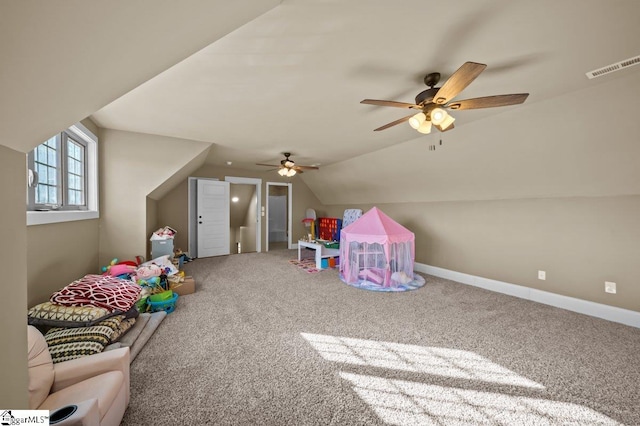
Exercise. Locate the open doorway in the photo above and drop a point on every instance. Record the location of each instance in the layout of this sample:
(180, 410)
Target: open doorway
(279, 203)
(244, 215)
(243, 218)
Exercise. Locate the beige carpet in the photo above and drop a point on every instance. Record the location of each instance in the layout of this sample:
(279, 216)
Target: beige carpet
(262, 342)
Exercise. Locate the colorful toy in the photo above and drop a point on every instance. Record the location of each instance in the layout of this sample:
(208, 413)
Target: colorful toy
(118, 270)
(149, 282)
(105, 269)
(182, 256)
(132, 264)
(147, 272)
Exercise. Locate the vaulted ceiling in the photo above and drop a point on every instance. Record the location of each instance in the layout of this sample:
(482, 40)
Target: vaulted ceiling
(257, 78)
(292, 79)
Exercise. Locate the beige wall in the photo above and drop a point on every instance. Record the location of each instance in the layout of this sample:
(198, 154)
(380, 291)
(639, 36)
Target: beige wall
(13, 252)
(173, 206)
(59, 253)
(171, 209)
(133, 165)
(579, 242)
(152, 222)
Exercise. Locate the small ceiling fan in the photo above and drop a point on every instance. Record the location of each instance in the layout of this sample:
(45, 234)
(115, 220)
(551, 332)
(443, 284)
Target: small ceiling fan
(288, 167)
(432, 102)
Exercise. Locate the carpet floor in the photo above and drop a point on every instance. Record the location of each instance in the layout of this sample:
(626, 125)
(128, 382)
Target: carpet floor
(262, 342)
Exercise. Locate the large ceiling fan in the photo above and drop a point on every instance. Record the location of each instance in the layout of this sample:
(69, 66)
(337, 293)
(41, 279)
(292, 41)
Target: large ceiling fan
(432, 102)
(288, 167)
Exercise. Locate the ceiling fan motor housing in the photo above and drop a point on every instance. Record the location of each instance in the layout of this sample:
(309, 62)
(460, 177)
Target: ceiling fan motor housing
(426, 96)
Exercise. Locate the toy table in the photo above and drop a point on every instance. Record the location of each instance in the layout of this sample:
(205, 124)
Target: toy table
(321, 251)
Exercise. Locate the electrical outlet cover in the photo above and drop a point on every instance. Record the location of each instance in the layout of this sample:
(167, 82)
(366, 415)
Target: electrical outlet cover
(542, 275)
(610, 287)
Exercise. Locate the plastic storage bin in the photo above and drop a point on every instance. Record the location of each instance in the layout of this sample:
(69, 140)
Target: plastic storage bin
(161, 247)
(168, 305)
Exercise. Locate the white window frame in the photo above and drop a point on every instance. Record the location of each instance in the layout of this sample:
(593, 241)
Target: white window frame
(92, 212)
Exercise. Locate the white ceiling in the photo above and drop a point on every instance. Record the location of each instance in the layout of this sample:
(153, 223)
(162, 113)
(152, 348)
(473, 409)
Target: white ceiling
(292, 79)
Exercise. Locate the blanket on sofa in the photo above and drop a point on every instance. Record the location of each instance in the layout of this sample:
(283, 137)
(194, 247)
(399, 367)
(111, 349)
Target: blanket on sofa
(111, 293)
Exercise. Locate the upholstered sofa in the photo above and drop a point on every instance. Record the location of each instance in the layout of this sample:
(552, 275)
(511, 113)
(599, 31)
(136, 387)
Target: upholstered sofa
(97, 385)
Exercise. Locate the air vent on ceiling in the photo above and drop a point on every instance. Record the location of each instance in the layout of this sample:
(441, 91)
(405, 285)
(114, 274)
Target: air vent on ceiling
(614, 67)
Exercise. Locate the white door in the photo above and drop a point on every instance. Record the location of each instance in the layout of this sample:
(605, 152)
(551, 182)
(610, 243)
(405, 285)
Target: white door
(213, 218)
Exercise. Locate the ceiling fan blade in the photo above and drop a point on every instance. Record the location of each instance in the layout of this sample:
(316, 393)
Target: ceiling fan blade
(393, 123)
(390, 103)
(489, 101)
(458, 81)
(268, 165)
(306, 167)
(437, 126)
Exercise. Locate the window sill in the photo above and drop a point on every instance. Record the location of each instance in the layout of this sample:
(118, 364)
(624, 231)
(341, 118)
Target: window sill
(43, 218)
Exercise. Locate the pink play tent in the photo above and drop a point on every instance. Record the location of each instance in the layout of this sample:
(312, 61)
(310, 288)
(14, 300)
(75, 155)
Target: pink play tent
(378, 253)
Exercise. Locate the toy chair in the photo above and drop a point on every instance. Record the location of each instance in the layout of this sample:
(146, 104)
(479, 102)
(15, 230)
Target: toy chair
(92, 390)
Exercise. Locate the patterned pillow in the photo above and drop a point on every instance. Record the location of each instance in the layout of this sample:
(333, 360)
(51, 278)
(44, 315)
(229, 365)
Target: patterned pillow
(67, 316)
(122, 329)
(69, 343)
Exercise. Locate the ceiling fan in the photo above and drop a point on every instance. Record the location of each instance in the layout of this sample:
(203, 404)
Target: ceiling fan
(432, 102)
(288, 167)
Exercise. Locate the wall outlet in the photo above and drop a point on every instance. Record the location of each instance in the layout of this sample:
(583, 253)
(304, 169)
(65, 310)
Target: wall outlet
(610, 287)
(542, 275)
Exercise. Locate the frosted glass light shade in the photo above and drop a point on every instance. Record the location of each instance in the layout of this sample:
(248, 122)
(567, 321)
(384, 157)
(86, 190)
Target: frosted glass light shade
(282, 172)
(438, 115)
(425, 128)
(417, 120)
(291, 172)
(448, 121)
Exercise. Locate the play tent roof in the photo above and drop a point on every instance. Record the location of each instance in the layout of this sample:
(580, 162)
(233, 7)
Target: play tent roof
(376, 227)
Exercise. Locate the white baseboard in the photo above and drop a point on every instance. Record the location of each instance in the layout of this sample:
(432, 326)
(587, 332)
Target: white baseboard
(294, 246)
(611, 313)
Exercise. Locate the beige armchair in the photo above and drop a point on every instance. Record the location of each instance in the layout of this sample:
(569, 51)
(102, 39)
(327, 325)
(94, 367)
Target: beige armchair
(97, 385)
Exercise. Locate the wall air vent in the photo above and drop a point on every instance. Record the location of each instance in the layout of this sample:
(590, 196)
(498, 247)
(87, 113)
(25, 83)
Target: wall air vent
(614, 67)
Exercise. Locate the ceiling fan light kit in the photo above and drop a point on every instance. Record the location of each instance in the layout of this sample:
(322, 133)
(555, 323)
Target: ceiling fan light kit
(433, 101)
(437, 116)
(287, 167)
(417, 120)
(425, 128)
(287, 172)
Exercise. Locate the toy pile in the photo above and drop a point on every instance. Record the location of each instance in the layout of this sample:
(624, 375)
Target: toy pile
(156, 278)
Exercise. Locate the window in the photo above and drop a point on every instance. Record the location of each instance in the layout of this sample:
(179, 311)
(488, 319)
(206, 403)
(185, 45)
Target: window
(63, 178)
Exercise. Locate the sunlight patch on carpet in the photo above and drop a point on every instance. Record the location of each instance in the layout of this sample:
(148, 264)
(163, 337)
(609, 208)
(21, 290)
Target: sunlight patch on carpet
(445, 362)
(403, 402)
